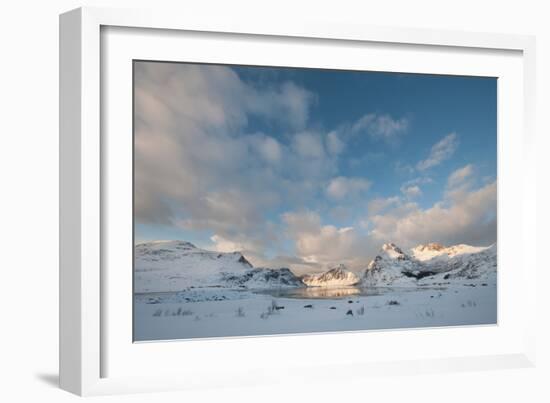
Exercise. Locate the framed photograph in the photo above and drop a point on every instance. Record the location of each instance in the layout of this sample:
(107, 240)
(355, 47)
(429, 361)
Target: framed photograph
(273, 200)
(247, 201)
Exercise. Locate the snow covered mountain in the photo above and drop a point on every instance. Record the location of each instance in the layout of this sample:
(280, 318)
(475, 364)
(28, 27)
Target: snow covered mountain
(430, 264)
(436, 250)
(166, 266)
(391, 266)
(338, 276)
(262, 277)
(163, 266)
(478, 266)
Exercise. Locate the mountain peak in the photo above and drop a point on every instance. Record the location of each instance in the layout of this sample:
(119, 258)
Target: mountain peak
(432, 246)
(434, 250)
(431, 263)
(337, 276)
(390, 246)
(338, 269)
(167, 266)
(393, 251)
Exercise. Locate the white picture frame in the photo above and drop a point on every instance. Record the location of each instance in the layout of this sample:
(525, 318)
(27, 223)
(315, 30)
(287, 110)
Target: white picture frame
(93, 356)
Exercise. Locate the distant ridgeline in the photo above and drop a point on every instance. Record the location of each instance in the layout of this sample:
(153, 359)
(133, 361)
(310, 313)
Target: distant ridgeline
(163, 266)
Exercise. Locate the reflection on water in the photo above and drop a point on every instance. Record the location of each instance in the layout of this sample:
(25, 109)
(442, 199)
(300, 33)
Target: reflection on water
(327, 292)
(333, 292)
(223, 294)
(317, 292)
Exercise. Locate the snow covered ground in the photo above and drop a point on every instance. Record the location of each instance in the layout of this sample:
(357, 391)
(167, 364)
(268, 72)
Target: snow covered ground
(186, 292)
(250, 313)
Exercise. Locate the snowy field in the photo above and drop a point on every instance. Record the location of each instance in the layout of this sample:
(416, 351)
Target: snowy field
(183, 292)
(246, 313)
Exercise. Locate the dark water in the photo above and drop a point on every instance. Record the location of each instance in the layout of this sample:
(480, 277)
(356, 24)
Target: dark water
(221, 294)
(330, 292)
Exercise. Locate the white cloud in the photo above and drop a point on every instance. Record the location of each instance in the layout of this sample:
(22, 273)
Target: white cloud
(377, 205)
(254, 253)
(221, 244)
(288, 100)
(270, 149)
(440, 151)
(307, 221)
(460, 176)
(308, 145)
(411, 191)
(403, 168)
(468, 217)
(421, 180)
(381, 127)
(226, 212)
(460, 182)
(196, 167)
(342, 187)
(334, 144)
(327, 245)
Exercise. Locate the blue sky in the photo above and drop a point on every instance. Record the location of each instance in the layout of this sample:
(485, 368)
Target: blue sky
(308, 168)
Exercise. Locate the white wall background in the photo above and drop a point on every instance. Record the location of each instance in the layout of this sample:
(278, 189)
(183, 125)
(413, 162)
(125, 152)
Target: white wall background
(29, 185)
